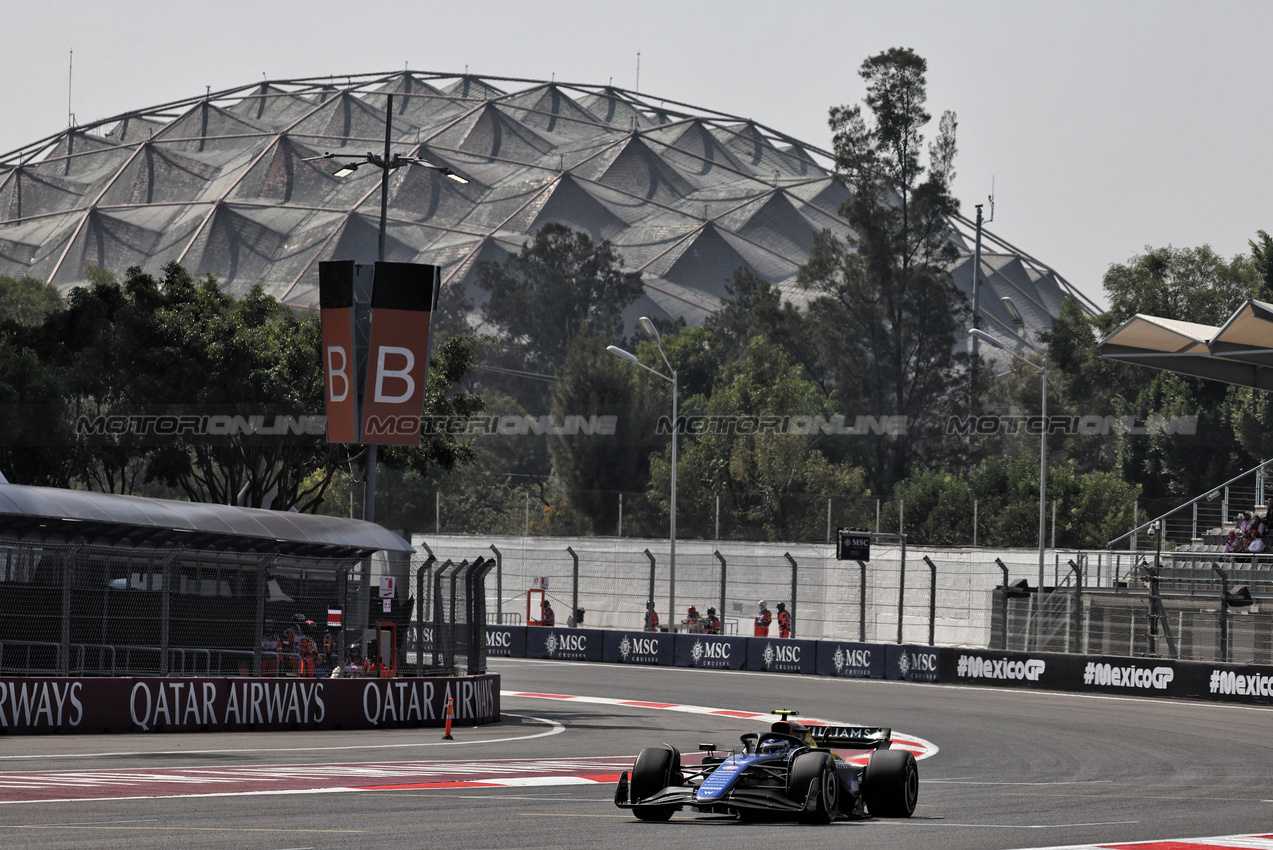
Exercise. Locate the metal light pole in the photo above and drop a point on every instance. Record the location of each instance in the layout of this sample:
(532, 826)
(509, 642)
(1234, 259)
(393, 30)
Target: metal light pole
(386, 164)
(1043, 466)
(651, 332)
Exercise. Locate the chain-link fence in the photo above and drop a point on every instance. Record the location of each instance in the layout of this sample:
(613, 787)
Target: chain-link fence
(107, 610)
(1093, 602)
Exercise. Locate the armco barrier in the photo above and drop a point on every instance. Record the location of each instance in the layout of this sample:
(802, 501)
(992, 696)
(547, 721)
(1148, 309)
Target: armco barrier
(1246, 684)
(41, 705)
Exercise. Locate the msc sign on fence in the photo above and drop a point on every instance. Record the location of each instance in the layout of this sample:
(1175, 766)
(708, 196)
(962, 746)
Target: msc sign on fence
(853, 545)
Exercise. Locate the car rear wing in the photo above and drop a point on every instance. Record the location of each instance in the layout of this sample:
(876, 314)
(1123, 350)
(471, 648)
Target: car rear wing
(855, 737)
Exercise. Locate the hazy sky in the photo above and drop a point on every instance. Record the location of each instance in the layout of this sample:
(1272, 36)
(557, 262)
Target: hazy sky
(1105, 126)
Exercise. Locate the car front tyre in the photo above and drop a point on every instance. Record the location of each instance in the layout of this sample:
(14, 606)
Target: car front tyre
(650, 775)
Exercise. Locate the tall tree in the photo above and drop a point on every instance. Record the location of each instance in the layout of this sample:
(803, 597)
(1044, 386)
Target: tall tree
(885, 309)
(561, 284)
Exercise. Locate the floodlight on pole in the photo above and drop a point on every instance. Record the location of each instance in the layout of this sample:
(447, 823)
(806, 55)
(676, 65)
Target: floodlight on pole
(1011, 307)
(1043, 462)
(651, 332)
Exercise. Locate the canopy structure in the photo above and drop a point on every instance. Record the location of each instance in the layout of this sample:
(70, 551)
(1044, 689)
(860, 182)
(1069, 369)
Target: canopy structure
(232, 183)
(50, 515)
(1239, 352)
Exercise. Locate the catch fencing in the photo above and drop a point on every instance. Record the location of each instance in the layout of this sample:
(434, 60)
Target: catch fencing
(81, 610)
(1093, 602)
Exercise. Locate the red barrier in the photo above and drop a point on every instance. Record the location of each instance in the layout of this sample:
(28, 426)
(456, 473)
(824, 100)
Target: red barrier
(37, 705)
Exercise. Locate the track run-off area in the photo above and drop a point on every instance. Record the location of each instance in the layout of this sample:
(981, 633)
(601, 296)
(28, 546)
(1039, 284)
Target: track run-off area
(999, 770)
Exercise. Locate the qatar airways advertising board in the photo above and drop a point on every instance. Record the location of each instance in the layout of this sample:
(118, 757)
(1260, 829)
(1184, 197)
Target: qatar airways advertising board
(36, 705)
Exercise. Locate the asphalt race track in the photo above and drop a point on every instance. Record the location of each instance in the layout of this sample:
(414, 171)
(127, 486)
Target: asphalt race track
(1014, 770)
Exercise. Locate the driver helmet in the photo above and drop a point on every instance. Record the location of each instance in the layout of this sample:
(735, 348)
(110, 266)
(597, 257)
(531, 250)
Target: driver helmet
(770, 746)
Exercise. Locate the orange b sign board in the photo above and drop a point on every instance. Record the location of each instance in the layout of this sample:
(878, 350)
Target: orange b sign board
(398, 354)
(336, 310)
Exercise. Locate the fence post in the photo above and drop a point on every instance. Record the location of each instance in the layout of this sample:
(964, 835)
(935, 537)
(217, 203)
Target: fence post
(421, 579)
(1076, 645)
(64, 652)
(829, 519)
(862, 604)
(574, 588)
(795, 570)
(1003, 624)
(901, 590)
(342, 594)
(1224, 612)
(620, 515)
(932, 601)
(262, 590)
(650, 596)
(499, 584)
(723, 568)
(165, 606)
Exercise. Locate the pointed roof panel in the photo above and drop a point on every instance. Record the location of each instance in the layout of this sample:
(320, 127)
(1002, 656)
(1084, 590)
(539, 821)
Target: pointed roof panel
(489, 132)
(610, 106)
(552, 112)
(271, 106)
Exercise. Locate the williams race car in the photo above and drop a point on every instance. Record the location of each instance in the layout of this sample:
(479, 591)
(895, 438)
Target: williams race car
(791, 771)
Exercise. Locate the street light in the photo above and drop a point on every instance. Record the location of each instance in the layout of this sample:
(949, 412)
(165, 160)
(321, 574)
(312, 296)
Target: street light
(386, 164)
(1043, 453)
(652, 333)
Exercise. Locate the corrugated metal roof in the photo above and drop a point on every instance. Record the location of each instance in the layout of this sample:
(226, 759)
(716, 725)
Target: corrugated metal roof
(48, 513)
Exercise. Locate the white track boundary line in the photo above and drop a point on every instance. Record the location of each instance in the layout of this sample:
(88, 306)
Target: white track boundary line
(921, 748)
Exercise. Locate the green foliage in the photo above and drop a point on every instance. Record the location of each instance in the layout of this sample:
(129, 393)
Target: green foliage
(1091, 508)
(180, 346)
(885, 312)
(773, 485)
(1188, 284)
(26, 300)
(593, 468)
(561, 284)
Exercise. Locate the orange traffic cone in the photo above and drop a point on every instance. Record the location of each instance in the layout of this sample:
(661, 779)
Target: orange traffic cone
(450, 710)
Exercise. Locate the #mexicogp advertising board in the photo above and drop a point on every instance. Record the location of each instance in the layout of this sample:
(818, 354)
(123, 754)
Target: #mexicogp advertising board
(1118, 675)
(224, 704)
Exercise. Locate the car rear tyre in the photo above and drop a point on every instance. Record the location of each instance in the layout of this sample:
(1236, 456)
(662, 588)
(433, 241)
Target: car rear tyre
(653, 771)
(891, 784)
(805, 768)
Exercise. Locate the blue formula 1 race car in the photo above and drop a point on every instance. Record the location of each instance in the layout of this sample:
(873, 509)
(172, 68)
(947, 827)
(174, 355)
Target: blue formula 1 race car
(791, 771)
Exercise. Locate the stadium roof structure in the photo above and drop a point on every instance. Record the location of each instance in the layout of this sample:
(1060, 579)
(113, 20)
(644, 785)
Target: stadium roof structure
(225, 184)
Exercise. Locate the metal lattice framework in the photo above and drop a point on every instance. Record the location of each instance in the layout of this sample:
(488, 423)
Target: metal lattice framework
(220, 184)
